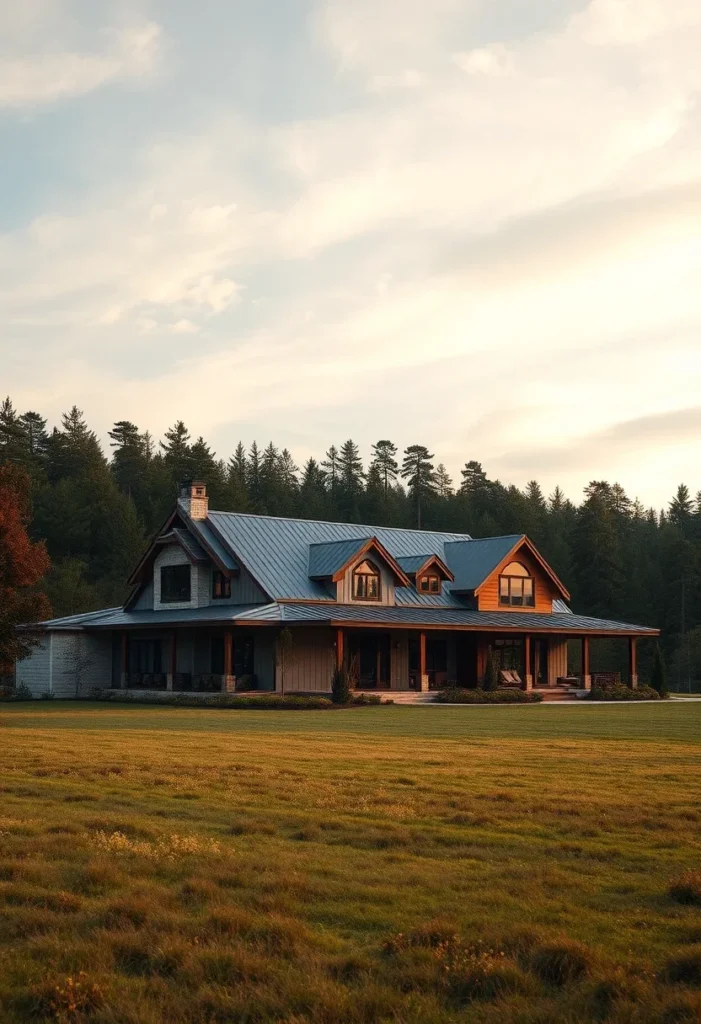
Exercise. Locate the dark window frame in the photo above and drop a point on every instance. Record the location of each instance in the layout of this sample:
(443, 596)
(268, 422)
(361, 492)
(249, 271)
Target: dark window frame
(173, 592)
(360, 583)
(221, 586)
(512, 591)
(432, 581)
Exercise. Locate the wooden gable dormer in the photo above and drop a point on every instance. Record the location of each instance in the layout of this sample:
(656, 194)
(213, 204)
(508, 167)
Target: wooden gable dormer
(506, 587)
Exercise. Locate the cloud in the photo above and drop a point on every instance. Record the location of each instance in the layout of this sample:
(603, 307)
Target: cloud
(46, 77)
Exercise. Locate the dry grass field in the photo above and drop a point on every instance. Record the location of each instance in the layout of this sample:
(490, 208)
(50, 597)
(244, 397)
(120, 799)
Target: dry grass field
(527, 864)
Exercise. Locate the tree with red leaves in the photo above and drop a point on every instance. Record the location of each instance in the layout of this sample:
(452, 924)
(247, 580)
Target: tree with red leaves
(22, 566)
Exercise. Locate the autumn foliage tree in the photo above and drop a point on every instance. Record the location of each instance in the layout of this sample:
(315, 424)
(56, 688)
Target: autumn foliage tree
(22, 566)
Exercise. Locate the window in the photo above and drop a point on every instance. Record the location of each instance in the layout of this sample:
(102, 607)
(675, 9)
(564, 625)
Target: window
(517, 586)
(366, 582)
(175, 584)
(430, 584)
(221, 586)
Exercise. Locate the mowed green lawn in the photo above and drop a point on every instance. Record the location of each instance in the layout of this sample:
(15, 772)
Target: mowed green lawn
(389, 864)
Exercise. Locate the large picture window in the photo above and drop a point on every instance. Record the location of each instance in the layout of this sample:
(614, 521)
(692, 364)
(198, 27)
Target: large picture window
(175, 584)
(366, 582)
(517, 586)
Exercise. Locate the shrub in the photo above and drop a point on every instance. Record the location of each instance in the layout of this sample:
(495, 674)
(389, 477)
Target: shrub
(18, 692)
(459, 696)
(684, 969)
(490, 682)
(687, 889)
(560, 963)
(619, 691)
(659, 673)
(340, 687)
(47, 695)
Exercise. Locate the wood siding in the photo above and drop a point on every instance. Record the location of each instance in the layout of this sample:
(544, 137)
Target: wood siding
(399, 660)
(557, 659)
(310, 664)
(545, 591)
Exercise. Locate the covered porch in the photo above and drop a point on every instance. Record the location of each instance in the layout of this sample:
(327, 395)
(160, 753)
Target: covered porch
(424, 660)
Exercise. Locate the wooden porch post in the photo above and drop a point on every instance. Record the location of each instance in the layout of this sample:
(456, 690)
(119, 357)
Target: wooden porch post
(340, 653)
(527, 675)
(423, 677)
(229, 681)
(125, 661)
(586, 665)
(172, 660)
(633, 662)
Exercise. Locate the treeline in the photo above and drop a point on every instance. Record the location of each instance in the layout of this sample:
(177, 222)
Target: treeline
(97, 510)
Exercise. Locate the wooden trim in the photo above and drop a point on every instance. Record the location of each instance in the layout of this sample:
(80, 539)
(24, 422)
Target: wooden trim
(632, 662)
(370, 544)
(509, 557)
(340, 654)
(497, 630)
(443, 569)
(228, 653)
(423, 676)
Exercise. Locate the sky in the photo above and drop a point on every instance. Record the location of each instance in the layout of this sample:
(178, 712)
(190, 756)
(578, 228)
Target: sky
(469, 224)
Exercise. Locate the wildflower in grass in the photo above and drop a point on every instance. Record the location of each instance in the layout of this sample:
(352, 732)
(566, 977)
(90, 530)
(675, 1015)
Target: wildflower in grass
(164, 848)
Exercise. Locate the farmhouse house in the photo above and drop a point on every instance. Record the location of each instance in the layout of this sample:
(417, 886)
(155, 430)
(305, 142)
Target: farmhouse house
(224, 601)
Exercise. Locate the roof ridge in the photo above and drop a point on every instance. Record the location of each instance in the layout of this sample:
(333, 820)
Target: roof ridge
(335, 522)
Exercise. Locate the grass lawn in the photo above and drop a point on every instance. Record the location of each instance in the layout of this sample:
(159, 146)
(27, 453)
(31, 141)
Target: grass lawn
(394, 864)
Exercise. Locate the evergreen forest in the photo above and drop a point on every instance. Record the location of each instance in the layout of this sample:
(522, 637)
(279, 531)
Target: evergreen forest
(96, 511)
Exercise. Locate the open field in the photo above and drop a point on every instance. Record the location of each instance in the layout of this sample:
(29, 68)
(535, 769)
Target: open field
(382, 864)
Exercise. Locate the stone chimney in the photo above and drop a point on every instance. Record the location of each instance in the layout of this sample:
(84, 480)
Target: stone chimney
(192, 499)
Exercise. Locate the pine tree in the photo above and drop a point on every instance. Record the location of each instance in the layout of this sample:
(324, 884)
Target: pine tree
(253, 480)
(177, 454)
(474, 478)
(443, 482)
(313, 496)
(14, 443)
(351, 478)
(238, 476)
(384, 459)
(681, 509)
(418, 471)
(129, 457)
(37, 439)
(332, 470)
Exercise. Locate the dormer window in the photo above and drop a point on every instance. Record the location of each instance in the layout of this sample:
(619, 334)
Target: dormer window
(366, 582)
(430, 583)
(221, 586)
(516, 586)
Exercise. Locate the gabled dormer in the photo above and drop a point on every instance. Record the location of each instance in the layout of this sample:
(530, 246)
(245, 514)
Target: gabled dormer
(427, 573)
(504, 574)
(360, 570)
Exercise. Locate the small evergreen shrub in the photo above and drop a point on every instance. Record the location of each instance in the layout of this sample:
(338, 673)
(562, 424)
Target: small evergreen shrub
(658, 680)
(490, 682)
(506, 696)
(47, 695)
(341, 687)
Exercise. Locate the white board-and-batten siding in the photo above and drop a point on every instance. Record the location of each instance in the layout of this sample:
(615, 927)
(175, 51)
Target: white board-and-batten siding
(66, 664)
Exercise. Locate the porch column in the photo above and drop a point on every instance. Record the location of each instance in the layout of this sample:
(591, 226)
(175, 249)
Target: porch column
(172, 660)
(586, 665)
(423, 676)
(229, 680)
(633, 662)
(527, 675)
(340, 653)
(124, 681)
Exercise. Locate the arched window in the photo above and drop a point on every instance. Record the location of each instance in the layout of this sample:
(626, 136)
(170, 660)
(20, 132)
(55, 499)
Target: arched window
(366, 582)
(516, 586)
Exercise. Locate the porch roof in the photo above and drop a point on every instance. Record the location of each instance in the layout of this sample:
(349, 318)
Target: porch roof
(321, 613)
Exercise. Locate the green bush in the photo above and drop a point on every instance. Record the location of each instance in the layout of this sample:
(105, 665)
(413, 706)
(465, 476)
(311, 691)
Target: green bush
(659, 673)
(510, 696)
(12, 693)
(621, 692)
(341, 687)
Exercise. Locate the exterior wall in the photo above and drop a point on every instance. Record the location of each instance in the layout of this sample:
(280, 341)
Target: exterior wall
(344, 589)
(244, 590)
(452, 661)
(310, 664)
(488, 598)
(67, 665)
(144, 601)
(557, 659)
(399, 660)
(264, 659)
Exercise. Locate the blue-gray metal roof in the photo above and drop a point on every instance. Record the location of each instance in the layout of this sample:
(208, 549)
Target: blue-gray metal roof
(327, 558)
(473, 560)
(276, 551)
(561, 606)
(371, 615)
(212, 540)
(190, 545)
(412, 563)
